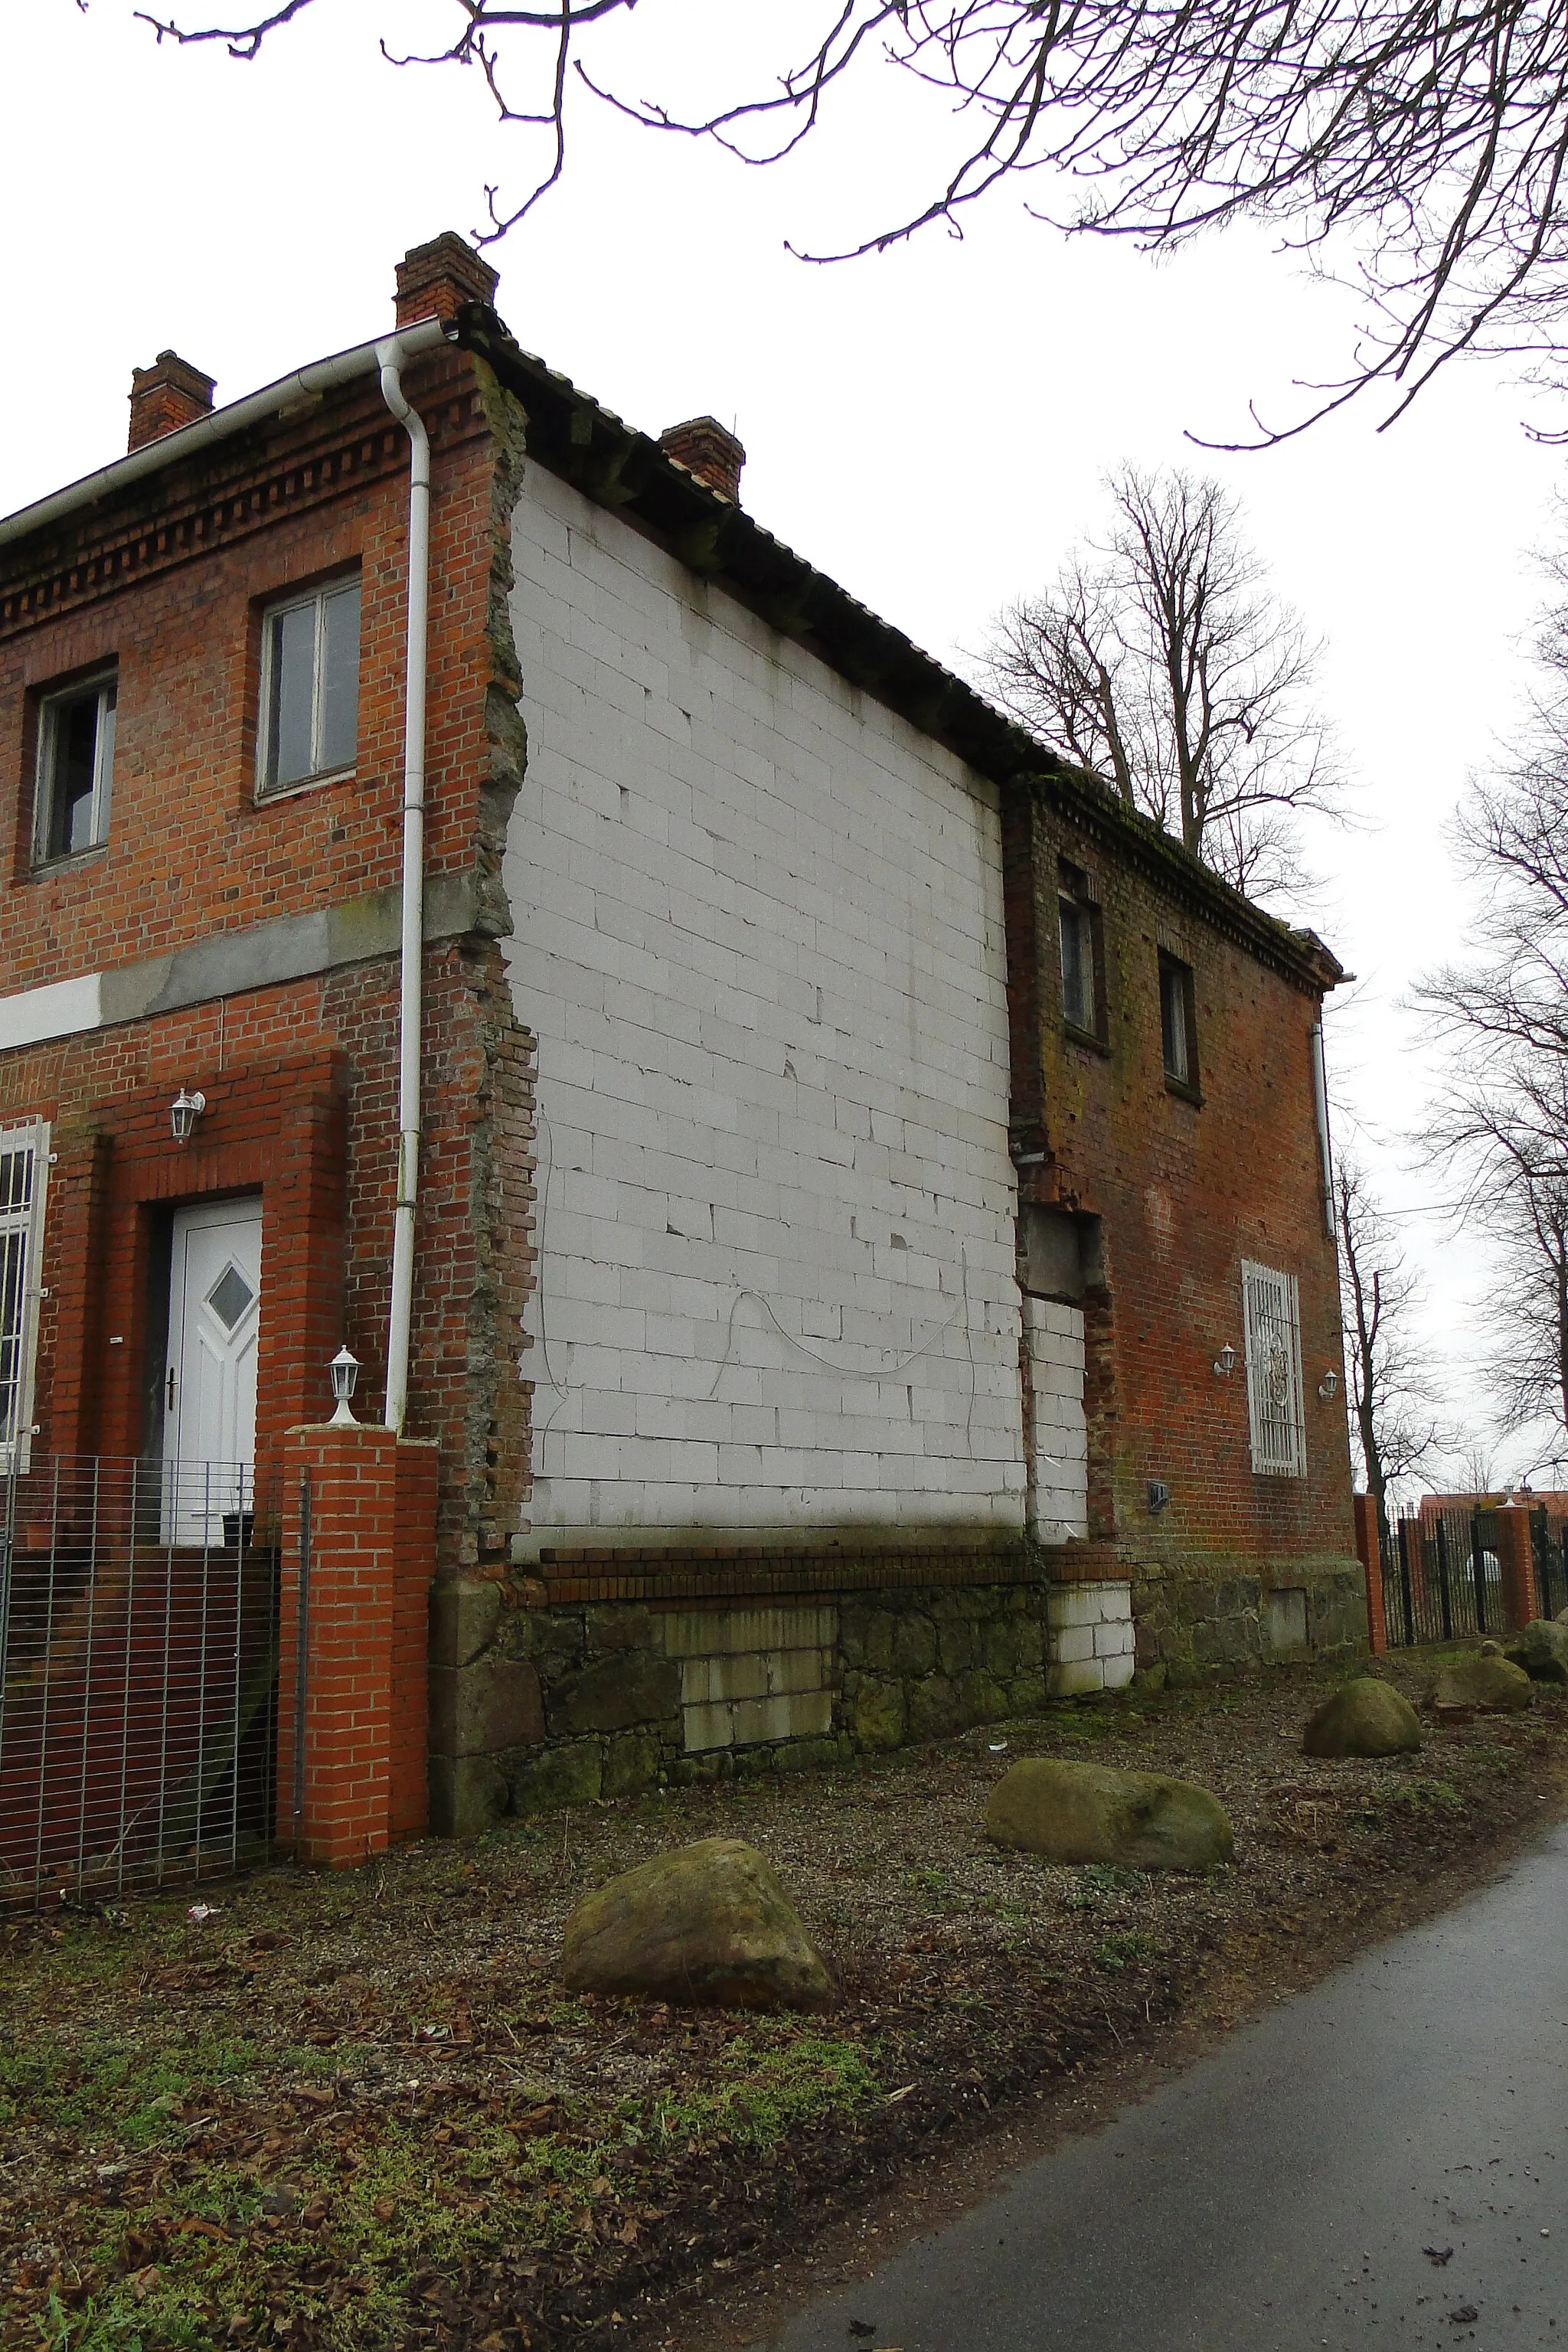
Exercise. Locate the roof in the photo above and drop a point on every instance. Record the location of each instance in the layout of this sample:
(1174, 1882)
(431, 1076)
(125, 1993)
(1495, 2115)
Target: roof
(576, 437)
(626, 471)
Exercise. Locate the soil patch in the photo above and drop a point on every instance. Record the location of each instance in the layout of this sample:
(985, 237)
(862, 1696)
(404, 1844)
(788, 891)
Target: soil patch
(355, 2113)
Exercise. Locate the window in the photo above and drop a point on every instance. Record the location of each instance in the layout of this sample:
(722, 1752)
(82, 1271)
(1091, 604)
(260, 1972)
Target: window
(75, 768)
(1077, 920)
(24, 1163)
(1178, 1025)
(1271, 1323)
(309, 687)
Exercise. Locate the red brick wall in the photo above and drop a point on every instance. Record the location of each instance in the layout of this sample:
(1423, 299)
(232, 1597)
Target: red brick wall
(1185, 1189)
(170, 581)
(173, 592)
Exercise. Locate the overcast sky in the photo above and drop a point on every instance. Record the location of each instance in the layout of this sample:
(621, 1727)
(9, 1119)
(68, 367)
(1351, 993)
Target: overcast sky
(929, 427)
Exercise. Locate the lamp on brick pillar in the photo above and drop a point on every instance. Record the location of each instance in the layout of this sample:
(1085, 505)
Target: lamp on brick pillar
(344, 1369)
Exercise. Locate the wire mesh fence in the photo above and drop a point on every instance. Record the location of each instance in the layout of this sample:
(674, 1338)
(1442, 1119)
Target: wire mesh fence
(139, 1631)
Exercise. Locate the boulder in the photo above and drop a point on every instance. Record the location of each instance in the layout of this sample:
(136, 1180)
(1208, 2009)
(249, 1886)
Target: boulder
(1364, 1718)
(1086, 1812)
(1541, 1649)
(1489, 1686)
(707, 1924)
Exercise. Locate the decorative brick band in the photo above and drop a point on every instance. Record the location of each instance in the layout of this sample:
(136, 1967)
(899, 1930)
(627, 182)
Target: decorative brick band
(651, 1576)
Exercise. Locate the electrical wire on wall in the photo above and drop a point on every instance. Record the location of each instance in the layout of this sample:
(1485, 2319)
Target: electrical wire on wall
(760, 1299)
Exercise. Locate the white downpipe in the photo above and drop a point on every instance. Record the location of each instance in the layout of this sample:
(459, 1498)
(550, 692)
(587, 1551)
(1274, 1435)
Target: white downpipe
(391, 353)
(1325, 1149)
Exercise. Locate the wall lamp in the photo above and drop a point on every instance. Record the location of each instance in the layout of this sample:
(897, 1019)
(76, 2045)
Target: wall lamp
(183, 1113)
(1328, 1386)
(344, 1369)
(1225, 1362)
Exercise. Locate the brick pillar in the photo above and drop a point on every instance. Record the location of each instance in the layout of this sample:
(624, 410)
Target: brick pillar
(1516, 1556)
(413, 1570)
(346, 1786)
(1367, 1546)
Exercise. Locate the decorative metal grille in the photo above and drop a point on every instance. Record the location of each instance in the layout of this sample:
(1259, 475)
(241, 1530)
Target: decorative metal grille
(23, 1161)
(1271, 1317)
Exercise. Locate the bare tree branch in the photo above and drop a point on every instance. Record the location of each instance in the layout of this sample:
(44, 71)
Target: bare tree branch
(1417, 146)
(1392, 1398)
(1160, 659)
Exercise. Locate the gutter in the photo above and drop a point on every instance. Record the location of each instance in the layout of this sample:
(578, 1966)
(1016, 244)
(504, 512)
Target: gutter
(306, 384)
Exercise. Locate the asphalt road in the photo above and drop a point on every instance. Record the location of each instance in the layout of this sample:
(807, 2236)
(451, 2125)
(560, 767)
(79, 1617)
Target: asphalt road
(1280, 2196)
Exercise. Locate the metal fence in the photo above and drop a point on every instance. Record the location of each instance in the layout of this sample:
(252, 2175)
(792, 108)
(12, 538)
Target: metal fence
(1548, 1544)
(1443, 1578)
(138, 1675)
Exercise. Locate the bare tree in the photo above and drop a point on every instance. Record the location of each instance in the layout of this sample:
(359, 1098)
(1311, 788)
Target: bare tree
(1426, 140)
(1393, 1424)
(1502, 1126)
(1160, 659)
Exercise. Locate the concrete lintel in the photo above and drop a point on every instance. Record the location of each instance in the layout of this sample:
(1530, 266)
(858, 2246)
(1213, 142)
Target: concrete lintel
(229, 963)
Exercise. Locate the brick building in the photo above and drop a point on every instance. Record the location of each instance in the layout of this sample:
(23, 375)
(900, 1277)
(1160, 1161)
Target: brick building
(869, 1257)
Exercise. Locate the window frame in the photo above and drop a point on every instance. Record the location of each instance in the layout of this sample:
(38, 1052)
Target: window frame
(272, 610)
(1271, 1326)
(26, 1224)
(103, 685)
(1075, 892)
(1175, 968)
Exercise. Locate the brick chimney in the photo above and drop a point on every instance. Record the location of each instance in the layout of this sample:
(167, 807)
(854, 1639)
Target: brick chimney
(169, 394)
(705, 449)
(435, 280)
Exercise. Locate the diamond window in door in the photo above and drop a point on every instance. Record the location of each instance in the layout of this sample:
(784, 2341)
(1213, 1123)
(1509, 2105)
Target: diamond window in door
(230, 1296)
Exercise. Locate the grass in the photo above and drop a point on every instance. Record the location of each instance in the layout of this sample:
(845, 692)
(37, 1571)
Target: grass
(102, 2082)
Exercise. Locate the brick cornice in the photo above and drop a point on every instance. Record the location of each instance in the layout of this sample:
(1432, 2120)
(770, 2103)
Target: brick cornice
(289, 466)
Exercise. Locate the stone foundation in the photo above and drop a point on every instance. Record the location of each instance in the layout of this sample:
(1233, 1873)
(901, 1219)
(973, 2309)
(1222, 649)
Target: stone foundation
(1209, 1621)
(533, 1707)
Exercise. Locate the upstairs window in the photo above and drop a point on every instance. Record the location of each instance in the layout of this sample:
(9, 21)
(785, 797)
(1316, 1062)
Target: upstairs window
(23, 1161)
(1178, 1022)
(1271, 1325)
(309, 687)
(76, 769)
(1077, 920)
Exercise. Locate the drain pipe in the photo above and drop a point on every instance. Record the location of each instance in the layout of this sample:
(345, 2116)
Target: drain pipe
(1325, 1149)
(391, 355)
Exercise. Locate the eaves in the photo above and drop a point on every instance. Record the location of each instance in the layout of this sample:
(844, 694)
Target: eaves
(627, 472)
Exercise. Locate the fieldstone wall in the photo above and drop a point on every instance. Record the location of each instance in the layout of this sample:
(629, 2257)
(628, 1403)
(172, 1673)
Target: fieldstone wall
(561, 1705)
(532, 1708)
(1197, 1621)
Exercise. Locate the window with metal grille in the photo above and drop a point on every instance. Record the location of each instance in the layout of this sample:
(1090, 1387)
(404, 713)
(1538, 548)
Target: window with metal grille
(1271, 1318)
(24, 1163)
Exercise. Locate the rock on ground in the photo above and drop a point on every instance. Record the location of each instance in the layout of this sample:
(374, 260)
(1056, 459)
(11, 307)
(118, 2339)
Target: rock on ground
(1541, 1649)
(1086, 1812)
(1491, 1686)
(1364, 1718)
(706, 1924)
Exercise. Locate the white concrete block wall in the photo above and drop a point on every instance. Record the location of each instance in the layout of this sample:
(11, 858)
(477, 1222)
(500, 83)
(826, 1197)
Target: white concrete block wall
(749, 1675)
(760, 939)
(1090, 1643)
(1059, 1488)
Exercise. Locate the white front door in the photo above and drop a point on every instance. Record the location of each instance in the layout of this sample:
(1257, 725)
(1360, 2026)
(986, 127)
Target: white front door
(209, 1385)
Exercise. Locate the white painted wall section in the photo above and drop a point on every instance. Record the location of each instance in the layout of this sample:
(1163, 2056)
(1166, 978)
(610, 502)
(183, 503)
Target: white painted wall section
(759, 938)
(1060, 1486)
